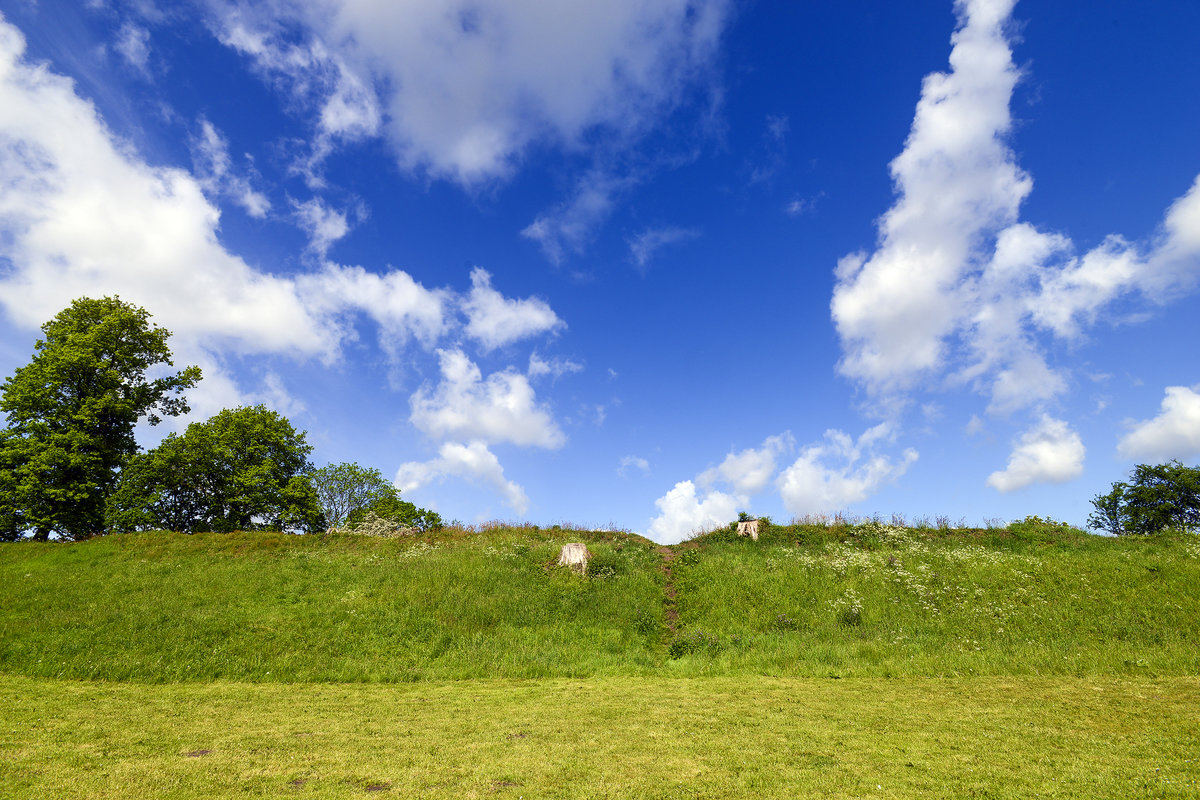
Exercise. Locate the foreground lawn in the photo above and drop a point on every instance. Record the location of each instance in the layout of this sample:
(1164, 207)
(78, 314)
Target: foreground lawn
(610, 737)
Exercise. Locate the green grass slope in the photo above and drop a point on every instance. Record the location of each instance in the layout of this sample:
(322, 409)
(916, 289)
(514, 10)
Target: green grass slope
(868, 601)
(270, 607)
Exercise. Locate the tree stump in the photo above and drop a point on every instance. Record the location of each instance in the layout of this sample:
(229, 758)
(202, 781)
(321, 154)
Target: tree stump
(575, 556)
(749, 528)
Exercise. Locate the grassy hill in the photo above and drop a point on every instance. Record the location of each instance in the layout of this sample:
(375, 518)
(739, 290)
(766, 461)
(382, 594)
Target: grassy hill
(804, 601)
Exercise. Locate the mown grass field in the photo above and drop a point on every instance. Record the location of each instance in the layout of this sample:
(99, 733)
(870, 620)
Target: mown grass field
(608, 737)
(834, 662)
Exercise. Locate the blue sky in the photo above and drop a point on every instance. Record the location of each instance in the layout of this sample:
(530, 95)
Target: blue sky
(645, 264)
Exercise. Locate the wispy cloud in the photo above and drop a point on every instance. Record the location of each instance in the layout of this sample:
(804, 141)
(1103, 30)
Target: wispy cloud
(630, 463)
(646, 244)
(214, 168)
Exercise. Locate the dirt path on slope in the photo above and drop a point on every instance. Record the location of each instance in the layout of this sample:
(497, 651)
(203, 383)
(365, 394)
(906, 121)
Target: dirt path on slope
(672, 614)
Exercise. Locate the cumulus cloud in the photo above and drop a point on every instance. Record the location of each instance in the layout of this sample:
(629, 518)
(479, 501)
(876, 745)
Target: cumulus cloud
(841, 471)
(695, 505)
(682, 513)
(644, 245)
(214, 169)
(1050, 452)
(467, 88)
(494, 320)
(82, 215)
(473, 462)
(1173, 434)
(958, 288)
(748, 471)
(466, 406)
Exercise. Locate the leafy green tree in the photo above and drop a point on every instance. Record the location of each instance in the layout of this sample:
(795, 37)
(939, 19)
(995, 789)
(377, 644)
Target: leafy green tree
(243, 469)
(1157, 498)
(342, 489)
(399, 512)
(349, 492)
(71, 413)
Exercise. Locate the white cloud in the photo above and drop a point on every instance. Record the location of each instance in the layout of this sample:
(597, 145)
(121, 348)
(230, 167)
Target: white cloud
(749, 471)
(681, 513)
(468, 88)
(133, 43)
(840, 472)
(495, 321)
(473, 462)
(643, 246)
(214, 168)
(465, 406)
(345, 105)
(955, 271)
(82, 215)
(1050, 452)
(956, 180)
(633, 462)
(1173, 434)
(323, 224)
(566, 229)
(799, 206)
(556, 367)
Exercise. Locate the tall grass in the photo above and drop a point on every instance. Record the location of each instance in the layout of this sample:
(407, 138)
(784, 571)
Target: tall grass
(809, 601)
(267, 607)
(880, 600)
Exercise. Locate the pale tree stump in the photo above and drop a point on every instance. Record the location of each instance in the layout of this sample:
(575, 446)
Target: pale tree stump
(749, 529)
(575, 556)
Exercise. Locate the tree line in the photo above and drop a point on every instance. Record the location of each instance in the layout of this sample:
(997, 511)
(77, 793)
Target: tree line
(70, 467)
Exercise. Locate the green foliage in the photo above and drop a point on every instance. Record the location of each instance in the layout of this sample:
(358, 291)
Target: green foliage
(243, 469)
(399, 513)
(1157, 498)
(344, 489)
(1037, 529)
(360, 499)
(71, 415)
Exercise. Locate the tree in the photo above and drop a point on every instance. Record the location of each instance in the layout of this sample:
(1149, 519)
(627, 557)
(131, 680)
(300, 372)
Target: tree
(348, 493)
(243, 469)
(71, 413)
(401, 513)
(1157, 498)
(342, 489)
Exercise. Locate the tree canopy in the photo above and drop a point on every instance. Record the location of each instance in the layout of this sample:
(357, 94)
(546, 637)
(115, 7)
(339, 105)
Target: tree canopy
(71, 413)
(243, 469)
(348, 493)
(1157, 498)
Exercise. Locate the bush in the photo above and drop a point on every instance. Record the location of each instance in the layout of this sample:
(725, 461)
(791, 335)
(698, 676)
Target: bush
(1037, 529)
(1158, 498)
